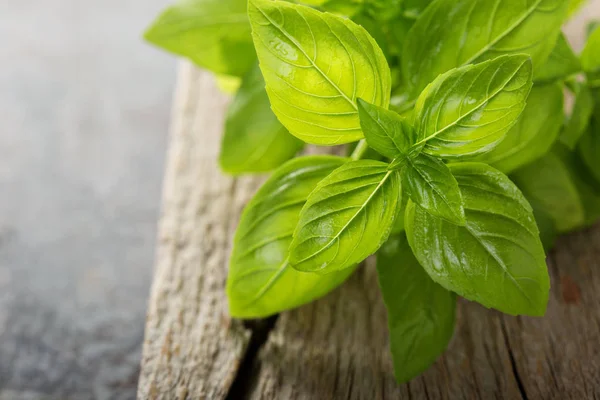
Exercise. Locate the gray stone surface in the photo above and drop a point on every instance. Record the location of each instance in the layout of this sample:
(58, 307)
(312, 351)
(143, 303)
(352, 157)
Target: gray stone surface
(84, 112)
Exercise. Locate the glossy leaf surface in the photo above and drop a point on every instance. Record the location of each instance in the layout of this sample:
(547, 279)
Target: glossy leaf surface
(385, 131)
(589, 149)
(580, 116)
(453, 33)
(497, 258)
(414, 8)
(588, 187)
(533, 134)
(547, 182)
(421, 313)
(261, 282)
(590, 57)
(208, 32)
(316, 65)
(254, 140)
(430, 184)
(468, 110)
(561, 63)
(347, 217)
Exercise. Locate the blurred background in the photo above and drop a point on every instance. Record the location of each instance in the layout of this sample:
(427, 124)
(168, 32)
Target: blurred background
(84, 113)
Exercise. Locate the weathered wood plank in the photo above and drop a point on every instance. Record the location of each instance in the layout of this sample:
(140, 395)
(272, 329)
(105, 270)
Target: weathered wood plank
(336, 347)
(191, 348)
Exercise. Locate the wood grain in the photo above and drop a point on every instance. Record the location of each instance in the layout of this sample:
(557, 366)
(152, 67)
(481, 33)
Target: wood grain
(337, 347)
(191, 348)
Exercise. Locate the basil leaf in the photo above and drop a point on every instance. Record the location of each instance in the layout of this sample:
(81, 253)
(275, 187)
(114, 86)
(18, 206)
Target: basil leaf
(545, 223)
(587, 187)
(344, 7)
(430, 184)
(261, 281)
(590, 57)
(533, 134)
(316, 65)
(346, 218)
(399, 222)
(591, 27)
(444, 35)
(208, 32)
(385, 131)
(414, 8)
(580, 116)
(589, 149)
(561, 63)
(421, 313)
(574, 6)
(468, 110)
(228, 84)
(383, 10)
(497, 258)
(547, 182)
(254, 140)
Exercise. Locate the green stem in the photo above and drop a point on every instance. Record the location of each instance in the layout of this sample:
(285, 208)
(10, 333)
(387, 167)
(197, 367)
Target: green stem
(360, 150)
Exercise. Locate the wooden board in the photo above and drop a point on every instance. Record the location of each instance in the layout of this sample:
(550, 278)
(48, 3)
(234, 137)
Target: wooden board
(336, 347)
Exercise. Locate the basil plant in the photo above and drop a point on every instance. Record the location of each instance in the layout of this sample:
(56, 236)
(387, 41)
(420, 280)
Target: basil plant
(464, 166)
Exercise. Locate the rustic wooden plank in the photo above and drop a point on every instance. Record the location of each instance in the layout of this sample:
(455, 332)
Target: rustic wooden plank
(191, 348)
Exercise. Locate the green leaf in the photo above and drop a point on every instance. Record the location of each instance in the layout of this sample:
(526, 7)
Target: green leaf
(346, 218)
(587, 187)
(579, 119)
(348, 8)
(468, 110)
(430, 184)
(497, 258)
(545, 223)
(316, 65)
(261, 281)
(421, 313)
(208, 32)
(228, 84)
(590, 56)
(561, 63)
(589, 149)
(384, 10)
(575, 5)
(399, 222)
(453, 33)
(547, 182)
(533, 134)
(385, 131)
(414, 8)
(591, 27)
(254, 140)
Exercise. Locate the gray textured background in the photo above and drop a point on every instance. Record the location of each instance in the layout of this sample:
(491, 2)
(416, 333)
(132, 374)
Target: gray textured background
(84, 112)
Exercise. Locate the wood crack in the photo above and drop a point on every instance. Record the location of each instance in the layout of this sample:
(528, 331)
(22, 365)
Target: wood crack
(246, 373)
(513, 363)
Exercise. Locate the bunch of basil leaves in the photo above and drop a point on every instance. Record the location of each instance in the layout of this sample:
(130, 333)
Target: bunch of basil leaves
(465, 170)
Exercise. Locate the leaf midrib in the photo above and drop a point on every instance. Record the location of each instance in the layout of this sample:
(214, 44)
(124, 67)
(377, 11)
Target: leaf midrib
(360, 210)
(312, 62)
(269, 283)
(500, 263)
